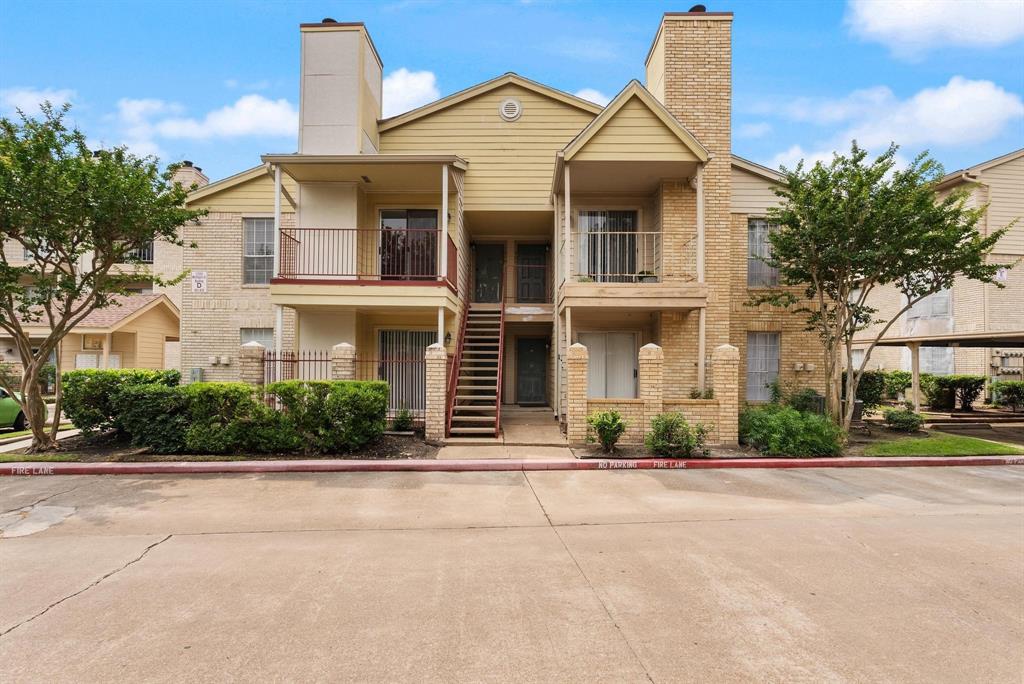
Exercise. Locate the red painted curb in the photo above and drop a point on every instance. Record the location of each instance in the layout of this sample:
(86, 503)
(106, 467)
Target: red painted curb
(484, 465)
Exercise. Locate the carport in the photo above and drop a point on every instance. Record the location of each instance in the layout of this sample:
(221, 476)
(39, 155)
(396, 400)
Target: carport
(1012, 339)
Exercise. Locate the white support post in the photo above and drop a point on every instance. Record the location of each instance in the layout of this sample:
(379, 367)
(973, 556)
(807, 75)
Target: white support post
(277, 221)
(701, 350)
(700, 236)
(278, 329)
(107, 340)
(440, 325)
(567, 227)
(442, 249)
(915, 375)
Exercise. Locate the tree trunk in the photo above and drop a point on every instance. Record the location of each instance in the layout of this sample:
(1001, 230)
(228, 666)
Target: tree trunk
(833, 386)
(34, 407)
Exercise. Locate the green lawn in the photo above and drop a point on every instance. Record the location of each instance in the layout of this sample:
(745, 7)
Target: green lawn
(941, 445)
(37, 458)
(21, 433)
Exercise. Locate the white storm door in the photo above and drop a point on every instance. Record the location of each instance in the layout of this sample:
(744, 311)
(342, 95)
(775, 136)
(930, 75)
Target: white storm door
(595, 344)
(620, 366)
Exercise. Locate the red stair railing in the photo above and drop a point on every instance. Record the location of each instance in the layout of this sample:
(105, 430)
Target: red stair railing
(453, 379)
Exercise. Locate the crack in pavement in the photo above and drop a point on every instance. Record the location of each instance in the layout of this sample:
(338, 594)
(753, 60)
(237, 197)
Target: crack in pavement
(88, 587)
(45, 498)
(590, 584)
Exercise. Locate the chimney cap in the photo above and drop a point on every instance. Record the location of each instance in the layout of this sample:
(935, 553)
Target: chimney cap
(186, 162)
(328, 20)
(698, 8)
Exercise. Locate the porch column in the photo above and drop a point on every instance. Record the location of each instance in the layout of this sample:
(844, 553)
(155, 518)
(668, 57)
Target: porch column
(915, 374)
(702, 350)
(277, 221)
(576, 394)
(651, 381)
(278, 329)
(440, 326)
(442, 249)
(437, 390)
(700, 226)
(567, 226)
(725, 365)
(106, 350)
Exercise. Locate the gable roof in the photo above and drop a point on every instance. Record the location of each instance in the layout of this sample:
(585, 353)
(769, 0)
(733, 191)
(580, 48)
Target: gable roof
(486, 87)
(961, 175)
(756, 169)
(225, 183)
(634, 90)
(126, 309)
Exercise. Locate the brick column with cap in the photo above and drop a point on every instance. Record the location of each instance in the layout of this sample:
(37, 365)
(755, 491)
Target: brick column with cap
(651, 382)
(725, 365)
(576, 394)
(437, 390)
(250, 363)
(343, 362)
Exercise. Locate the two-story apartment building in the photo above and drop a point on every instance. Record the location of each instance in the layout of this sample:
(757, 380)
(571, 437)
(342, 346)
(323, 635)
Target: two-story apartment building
(506, 222)
(969, 328)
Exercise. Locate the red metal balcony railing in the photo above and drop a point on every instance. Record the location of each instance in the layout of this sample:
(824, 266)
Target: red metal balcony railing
(365, 254)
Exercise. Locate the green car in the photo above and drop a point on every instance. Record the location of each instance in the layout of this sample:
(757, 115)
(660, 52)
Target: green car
(11, 415)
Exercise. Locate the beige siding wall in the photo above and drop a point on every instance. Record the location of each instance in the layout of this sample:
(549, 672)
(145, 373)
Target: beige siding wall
(751, 194)
(510, 162)
(634, 132)
(1006, 194)
(256, 195)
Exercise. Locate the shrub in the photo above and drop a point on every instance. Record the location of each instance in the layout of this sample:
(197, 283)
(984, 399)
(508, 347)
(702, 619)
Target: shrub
(805, 400)
(870, 389)
(88, 395)
(402, 421)
(783, 431)
(305, 404)
(897, 382)
(959, 389)
(608, 426)
(357, 412)
(154, 416)
(903, 420)
(673, 437)
(1008, 393)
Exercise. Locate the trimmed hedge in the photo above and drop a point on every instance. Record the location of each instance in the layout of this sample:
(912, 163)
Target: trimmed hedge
(897, 382)
(783, 431)
(231, 417)
(1008, 393)
(870, 389)
(903, 420)
(88, 395)
(952, 390)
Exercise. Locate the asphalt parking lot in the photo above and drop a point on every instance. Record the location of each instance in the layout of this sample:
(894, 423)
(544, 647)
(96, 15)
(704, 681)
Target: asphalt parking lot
(881, 574)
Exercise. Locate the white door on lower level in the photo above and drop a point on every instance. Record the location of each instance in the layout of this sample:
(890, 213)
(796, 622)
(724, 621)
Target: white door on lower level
(612, 364)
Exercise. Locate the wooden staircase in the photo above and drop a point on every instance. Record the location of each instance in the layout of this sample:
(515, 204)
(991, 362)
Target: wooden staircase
(475, 385)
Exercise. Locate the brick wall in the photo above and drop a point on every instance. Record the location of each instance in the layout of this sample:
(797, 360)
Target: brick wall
(211, 321)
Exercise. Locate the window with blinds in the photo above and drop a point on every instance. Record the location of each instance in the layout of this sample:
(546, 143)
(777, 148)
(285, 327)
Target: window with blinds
(762, 364)
(257, 251)
(607, 249)
(759, 274)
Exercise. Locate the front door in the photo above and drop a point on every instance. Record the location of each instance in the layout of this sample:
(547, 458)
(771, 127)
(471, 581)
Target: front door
(531, 273)
(490, 263)
(531, 370)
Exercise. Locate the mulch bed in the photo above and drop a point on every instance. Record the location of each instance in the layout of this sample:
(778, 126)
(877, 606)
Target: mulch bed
(108, 448)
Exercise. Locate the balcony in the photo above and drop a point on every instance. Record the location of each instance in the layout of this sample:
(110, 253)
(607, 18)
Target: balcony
(357, 256)
(616, 257)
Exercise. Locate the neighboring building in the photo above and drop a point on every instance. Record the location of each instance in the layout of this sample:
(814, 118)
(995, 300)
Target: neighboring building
(969, 328)
(556, 220)
(139, 331)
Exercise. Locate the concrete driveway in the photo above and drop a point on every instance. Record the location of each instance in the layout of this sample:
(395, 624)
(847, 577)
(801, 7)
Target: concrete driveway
(912, 574)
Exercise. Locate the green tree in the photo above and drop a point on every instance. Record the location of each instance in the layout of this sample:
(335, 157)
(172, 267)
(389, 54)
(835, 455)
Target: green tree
(67, 218)
(851, 226)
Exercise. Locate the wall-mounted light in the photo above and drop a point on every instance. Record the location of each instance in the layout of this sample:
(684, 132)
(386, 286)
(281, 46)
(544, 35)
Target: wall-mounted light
(447, 339)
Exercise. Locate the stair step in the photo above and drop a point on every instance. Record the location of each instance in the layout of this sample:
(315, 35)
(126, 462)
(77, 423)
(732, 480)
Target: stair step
(474, 419)
(493, 388)
(476, 397)
(466, 408)
(472, 430)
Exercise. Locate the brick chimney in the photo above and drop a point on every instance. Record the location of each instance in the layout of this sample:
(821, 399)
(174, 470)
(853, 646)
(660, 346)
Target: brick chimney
(188, 174)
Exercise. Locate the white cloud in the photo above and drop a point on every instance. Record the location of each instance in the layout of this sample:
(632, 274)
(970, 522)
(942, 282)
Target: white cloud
(911, 27)
(134, 123)
(250, 115)
(405, 90)
(29, 99)
(961, 112)
(592, 95)
(754, 130)
(824, 111)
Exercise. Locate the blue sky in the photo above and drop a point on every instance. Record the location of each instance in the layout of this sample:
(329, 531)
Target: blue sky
(217, 82)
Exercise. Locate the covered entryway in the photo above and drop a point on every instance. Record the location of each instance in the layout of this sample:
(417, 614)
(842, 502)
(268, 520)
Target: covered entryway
(488, 267)
(531, 370)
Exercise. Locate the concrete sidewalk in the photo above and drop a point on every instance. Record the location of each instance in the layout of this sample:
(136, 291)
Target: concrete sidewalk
(655, 576)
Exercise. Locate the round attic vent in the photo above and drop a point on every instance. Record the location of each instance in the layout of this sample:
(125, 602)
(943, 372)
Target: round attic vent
(510, 109)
